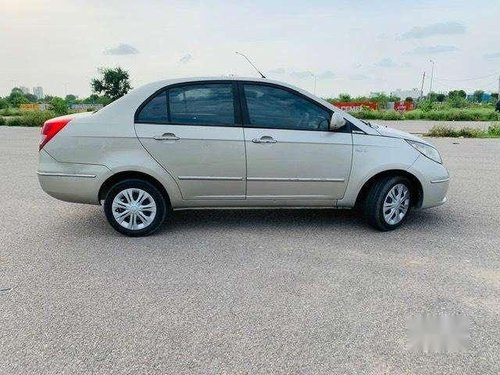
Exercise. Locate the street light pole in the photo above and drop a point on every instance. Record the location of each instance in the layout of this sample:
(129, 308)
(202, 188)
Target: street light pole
(422, 88)
(314, 76)
(498, 97)
(432, 76)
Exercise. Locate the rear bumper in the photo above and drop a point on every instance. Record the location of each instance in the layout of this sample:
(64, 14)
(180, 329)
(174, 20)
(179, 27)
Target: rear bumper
(435, 180)
(70, 182)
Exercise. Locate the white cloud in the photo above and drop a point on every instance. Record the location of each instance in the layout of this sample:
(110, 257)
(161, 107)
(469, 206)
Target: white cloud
(494, 55)
(185, 59)
(358, 77)
(328, 74)
(278, 71)
(444, 28)
(429, 50)
(301, 74)
(386, 63)
(121, 49)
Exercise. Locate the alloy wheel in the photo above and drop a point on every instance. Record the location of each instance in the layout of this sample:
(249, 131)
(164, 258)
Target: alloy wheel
(396, 204)
(134, 209)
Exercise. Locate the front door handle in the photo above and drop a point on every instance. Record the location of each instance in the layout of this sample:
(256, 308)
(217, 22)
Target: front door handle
(166, 137)
(264, 139)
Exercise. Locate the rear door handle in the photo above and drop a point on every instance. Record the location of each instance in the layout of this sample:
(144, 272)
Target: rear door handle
(166, 137)
(264, 139)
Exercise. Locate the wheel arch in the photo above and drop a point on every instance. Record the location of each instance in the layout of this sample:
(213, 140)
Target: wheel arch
(417, 192)
(125, 175)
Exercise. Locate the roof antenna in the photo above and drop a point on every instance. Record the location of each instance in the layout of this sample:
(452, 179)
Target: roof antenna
(258, 71)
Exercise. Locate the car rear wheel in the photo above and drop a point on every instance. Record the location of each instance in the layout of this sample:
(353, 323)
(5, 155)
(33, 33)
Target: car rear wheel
(135, 207)
(388, 203)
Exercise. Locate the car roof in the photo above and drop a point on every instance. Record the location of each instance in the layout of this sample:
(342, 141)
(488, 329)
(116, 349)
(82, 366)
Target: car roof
(167, 82)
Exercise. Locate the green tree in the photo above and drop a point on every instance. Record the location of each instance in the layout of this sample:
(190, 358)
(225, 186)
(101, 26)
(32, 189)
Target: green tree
(457, 101)
(70, 98)
(382, 99)
(31, 98)
(16, 97)
(478, 96)
(457, 93)
(4, 103)
(59, 106)
(425, 105)
(47, 98)
(114, 83)
(440, 97)
(344, 97)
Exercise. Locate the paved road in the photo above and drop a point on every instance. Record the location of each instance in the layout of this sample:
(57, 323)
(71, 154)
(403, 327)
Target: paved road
(307, 292)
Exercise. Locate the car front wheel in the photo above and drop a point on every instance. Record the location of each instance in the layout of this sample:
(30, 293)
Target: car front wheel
(135, 207)
(388, 203)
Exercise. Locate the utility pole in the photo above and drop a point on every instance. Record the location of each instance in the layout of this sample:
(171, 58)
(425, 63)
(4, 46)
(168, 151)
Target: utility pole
(498, 88)
(432, 76)
(422, 88)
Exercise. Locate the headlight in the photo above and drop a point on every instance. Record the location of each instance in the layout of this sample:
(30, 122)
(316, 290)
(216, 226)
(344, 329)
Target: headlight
(426, 150)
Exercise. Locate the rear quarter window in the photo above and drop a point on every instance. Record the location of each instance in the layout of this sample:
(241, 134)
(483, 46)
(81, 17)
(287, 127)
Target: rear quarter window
(155, 110)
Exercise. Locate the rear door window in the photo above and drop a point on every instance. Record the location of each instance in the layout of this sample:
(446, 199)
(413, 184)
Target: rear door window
(202, 104)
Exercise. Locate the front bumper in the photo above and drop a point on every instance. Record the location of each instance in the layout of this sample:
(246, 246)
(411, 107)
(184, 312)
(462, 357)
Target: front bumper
(435, 180)
(70, 182)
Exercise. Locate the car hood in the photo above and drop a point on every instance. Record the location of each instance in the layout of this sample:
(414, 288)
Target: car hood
(385, 131)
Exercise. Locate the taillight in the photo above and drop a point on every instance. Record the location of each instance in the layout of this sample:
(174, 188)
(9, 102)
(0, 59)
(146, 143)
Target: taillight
(51, 127)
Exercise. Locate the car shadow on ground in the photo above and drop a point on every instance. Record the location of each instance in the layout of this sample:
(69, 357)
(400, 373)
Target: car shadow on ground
(94, 222)
(328, 219)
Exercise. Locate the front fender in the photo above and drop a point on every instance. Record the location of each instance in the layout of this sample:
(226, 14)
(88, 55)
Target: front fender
(373, 155)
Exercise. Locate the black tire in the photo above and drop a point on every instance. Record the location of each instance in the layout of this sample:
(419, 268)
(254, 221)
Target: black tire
(374, 203)
(157, 197)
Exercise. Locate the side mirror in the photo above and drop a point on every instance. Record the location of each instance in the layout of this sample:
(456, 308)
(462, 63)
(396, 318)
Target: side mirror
(336, 122)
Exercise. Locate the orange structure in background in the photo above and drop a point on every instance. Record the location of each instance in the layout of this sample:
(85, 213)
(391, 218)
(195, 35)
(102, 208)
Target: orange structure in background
(356, 106)
(404, 106)
(29, 107)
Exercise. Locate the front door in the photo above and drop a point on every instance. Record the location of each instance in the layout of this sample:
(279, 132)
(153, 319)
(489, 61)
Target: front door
(193, 130)
(291, 154)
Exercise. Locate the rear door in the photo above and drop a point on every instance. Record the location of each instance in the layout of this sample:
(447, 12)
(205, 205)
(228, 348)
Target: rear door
(291, 154)
(194, 131)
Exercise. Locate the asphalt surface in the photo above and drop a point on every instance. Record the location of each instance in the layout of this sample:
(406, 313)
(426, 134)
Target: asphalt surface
(213, 292)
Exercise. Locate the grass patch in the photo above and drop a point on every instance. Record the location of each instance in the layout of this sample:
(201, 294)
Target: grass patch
(493, 131)
(451, 114)
(6, 112)
(30, 119)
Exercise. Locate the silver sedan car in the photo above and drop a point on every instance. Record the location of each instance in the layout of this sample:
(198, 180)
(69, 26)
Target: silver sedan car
(234, 143)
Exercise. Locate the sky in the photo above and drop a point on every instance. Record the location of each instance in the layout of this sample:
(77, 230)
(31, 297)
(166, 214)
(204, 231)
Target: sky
(354, 47)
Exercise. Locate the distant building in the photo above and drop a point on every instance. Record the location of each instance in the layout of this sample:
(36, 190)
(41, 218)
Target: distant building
(403, 94)
(38, 92)
(34, 106)
(24, 89)
(85, 107)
